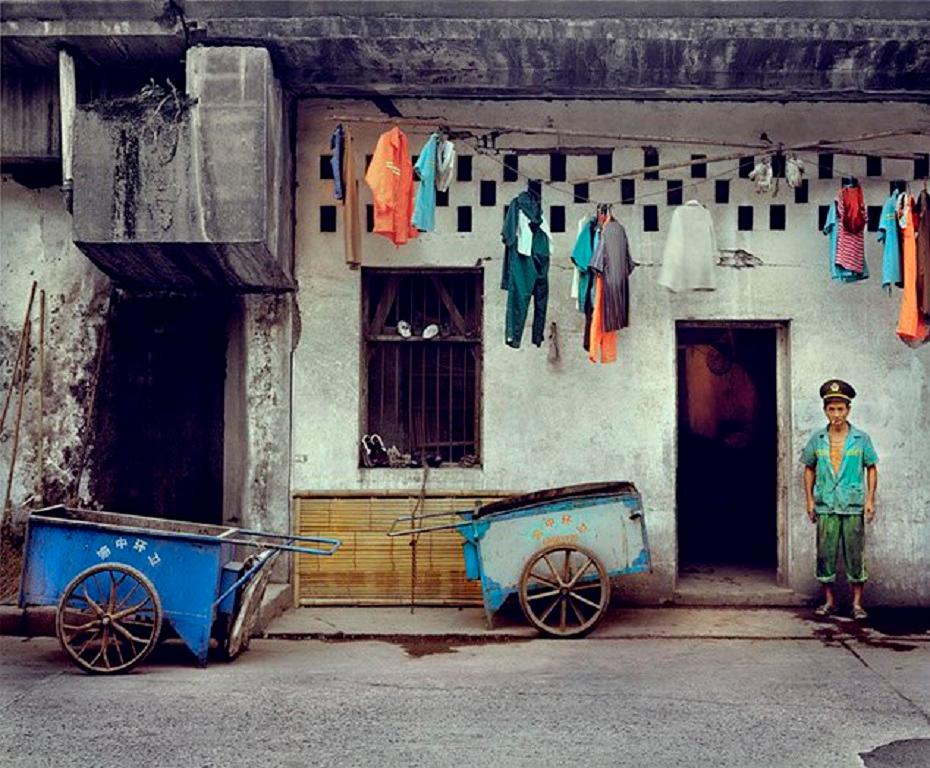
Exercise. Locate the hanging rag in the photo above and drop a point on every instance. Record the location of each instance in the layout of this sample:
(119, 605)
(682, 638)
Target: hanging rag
(762, 175)
(690, 255)
(794, 171)
(335, 161)
(390, 176)
(445, 165)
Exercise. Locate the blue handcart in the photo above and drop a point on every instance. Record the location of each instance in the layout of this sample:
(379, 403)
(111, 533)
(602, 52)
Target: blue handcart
(117, 578)
(557, 549)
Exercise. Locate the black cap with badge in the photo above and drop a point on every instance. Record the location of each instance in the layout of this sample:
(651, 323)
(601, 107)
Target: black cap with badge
(837, 389)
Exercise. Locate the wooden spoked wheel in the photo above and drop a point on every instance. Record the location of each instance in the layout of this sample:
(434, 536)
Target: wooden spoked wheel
(564, 590)
(109, 618)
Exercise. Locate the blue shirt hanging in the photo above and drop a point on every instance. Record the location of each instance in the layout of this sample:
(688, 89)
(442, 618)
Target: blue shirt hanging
(424, 207)
(888, 234)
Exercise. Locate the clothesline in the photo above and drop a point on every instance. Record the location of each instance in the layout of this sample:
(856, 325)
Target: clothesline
(441, 123)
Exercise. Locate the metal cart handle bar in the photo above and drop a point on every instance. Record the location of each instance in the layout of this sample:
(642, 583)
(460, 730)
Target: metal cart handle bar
(258, 539)
(392, 531)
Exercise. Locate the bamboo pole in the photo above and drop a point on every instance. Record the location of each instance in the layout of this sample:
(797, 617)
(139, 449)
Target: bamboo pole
(19, 417)
(19, 355)
(41, 488)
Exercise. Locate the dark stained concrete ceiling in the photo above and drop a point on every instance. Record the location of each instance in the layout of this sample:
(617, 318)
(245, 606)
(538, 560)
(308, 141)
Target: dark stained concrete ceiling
(704, 49)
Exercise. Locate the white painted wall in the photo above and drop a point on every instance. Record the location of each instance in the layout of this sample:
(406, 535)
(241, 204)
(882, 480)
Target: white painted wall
(547, 425)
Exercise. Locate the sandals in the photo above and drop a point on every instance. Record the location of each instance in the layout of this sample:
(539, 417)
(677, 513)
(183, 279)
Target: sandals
(374, 454)
(860, 614)
(825, 610)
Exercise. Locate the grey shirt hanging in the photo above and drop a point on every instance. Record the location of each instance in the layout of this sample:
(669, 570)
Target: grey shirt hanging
(612, 259)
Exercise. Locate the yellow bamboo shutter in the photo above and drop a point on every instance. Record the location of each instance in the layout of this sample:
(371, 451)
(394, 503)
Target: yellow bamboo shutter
(372, 568)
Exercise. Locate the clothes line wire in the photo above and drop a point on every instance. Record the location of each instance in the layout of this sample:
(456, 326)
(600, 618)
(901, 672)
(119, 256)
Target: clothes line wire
(441, 123)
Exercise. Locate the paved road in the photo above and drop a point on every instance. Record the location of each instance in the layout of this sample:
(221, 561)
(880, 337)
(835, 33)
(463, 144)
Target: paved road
(662, 702)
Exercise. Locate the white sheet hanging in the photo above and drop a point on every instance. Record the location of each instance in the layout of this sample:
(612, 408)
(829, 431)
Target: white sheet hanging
(690, 255)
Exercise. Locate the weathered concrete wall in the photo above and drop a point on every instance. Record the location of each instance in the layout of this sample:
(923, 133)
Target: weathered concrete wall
(258, 417)
(197, 185)
(831, 49)
(535, 432)
(36, 245)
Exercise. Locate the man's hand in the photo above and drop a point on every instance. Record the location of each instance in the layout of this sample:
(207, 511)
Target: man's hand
(811, 513)
(869, 511)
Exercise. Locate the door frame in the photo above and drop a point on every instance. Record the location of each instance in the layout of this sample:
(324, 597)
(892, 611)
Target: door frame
(783, 472)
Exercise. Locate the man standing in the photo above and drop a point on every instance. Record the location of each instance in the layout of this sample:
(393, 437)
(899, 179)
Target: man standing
(840, 477)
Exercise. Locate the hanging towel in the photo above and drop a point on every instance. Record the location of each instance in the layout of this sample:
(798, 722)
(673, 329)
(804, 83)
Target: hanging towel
(445, 165)
(424, 209)
(390, 176)
(690, 254)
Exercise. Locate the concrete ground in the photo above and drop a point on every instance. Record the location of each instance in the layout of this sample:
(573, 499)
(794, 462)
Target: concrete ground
(657, 687)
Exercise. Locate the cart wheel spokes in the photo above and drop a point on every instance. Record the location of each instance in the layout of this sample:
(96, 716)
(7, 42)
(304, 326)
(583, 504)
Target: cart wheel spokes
(109, 618)
(564, 590)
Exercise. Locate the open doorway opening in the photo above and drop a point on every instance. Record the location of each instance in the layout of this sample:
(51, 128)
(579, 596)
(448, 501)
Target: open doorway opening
(158, 447)
(727, 451)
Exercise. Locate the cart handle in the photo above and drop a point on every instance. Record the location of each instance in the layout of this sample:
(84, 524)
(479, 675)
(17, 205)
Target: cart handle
(392, 531)
(251, 538)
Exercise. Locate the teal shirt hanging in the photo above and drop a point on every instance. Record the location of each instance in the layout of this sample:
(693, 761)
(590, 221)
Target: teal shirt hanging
(424, 207)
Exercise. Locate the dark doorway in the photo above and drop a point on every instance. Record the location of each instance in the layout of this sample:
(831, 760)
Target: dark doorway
(727, 446)
(158, 448)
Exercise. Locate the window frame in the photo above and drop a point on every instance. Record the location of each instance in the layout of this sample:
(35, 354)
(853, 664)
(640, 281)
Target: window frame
(370, 340)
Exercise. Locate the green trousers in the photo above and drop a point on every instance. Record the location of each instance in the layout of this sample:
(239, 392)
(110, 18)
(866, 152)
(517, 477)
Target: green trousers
(834, 531)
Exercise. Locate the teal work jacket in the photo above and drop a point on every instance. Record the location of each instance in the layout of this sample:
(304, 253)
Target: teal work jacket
(840, 493)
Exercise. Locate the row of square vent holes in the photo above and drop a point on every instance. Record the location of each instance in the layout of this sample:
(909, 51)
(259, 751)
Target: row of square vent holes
(745, 217)
(674, 189)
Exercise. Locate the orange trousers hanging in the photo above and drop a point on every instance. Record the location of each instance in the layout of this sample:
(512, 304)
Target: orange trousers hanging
(912, 328)
(603, 342)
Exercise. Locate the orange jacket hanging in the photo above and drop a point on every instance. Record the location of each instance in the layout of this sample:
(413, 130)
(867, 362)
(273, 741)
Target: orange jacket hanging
(390, 176)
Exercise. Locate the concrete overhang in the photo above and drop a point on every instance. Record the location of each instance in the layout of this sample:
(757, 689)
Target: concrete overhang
(703, 49)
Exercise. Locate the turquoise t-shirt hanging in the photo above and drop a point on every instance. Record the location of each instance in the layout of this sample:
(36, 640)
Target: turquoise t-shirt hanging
(888, 234)
(424, 207)
(837, 272)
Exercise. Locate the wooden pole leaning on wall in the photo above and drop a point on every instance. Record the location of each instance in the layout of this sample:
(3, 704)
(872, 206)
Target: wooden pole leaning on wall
(24, 373)
(18, 362)
(40, 490)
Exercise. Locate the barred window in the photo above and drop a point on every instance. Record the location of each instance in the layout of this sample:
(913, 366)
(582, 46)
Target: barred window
(422, 366)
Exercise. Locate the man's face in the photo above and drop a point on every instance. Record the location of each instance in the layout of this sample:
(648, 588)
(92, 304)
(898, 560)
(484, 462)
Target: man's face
(837, 412)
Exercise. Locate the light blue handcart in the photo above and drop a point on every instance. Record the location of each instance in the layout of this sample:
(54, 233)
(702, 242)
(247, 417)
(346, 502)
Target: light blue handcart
(115, 578)
(557, 549)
